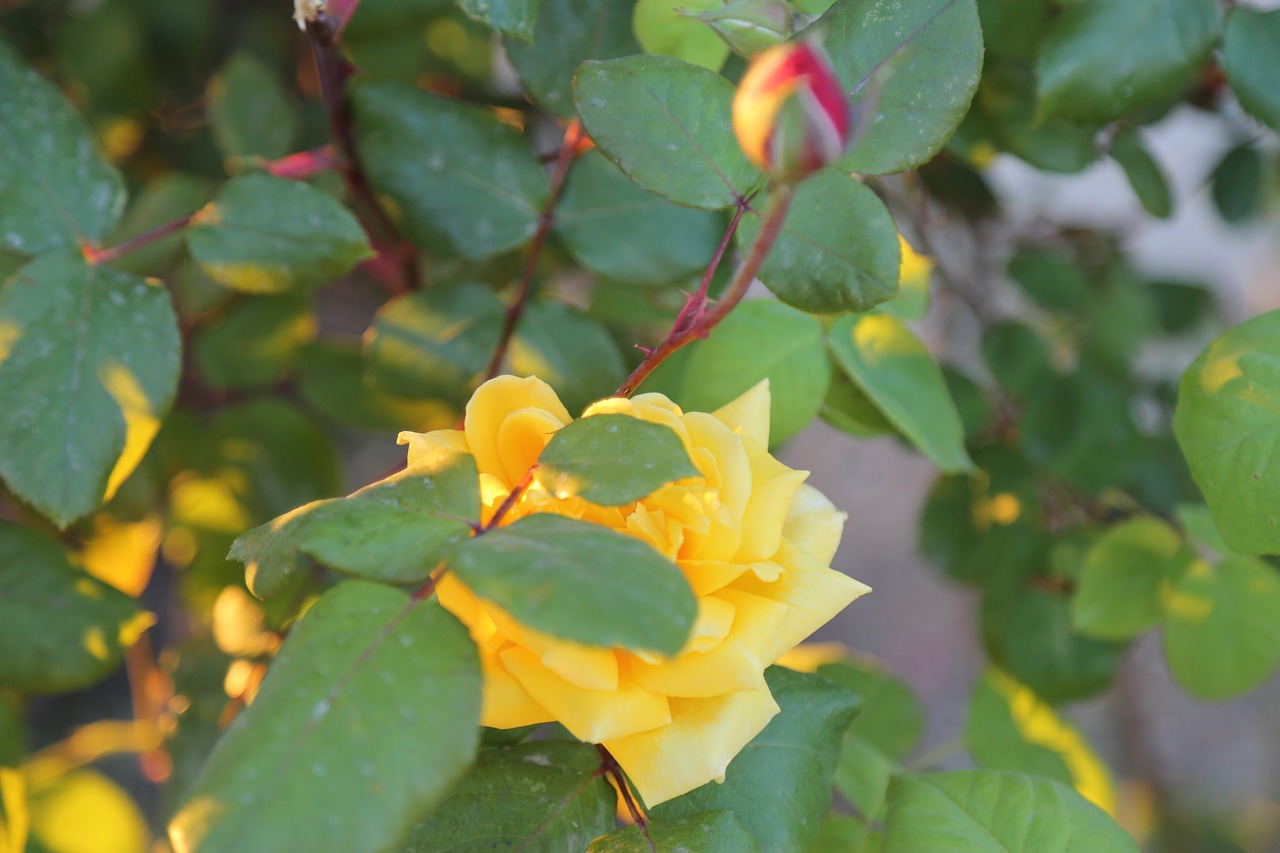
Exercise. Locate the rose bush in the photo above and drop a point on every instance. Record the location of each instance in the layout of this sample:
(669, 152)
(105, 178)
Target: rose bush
(754, 542)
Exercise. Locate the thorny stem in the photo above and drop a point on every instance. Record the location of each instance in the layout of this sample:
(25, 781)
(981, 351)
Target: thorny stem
(611, 766)
(695, 320)
(102, 256)
(572, 136)
(334, 70)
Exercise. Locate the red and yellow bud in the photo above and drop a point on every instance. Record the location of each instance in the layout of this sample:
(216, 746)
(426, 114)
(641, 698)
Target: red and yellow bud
(790, 114)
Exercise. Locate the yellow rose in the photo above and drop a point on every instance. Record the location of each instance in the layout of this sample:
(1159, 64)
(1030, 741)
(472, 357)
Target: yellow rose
(753, 541)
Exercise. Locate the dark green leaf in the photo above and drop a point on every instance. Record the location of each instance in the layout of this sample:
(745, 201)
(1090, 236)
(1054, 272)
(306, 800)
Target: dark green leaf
(251, 113)
(91, 365)
(976, 410)
(1102, 59)
(13, 735)
(1122, 589)
(613, 459)
(918, 63)
(1144, 173)
(1014, 28)
(255, 344)
(462, 180)
(1222, 629)
(513, 17)
(267, 235)
(779, 786)
(569, 351)
(1028, 632)
(1228, 425)
(625, 233)
(848, 408)
(367, 718)
(395, 530)
(436, 342)
(760, 339)
(1179, 306)
(542, 797)
(666, 124)
(331, 377)
(1249, 54)
(890, 716)
(57, 190)
(1238, 184)
(862, 776)
(705, 832)
(1005, 114)
(980, 811)
(580, 581)
(60, 629)
(567, 33)
(889, 363)
(838, 250)
(1016, 356)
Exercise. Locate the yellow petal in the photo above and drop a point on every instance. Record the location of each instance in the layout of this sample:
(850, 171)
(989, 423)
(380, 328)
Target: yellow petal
(490, 406)
(591, 715)
(732, 472)
(807, 657)
(522, 437)
(704, 736)
(812, 592)
(814, 524)
(715, 619)
(504, 703)
(589, 667)
(429, 445)
(750, 412)
(773, 488)
(736, 664)
(707, 576)
(458, 599)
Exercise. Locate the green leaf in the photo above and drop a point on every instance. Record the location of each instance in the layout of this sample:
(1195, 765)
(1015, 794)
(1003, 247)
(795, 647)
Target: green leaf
(1028, 632)
(57, 189)
(1144, 173)
(840, 834)
(668, 27)
(163, 200)
(1197, 525)
(848, 408)
(568, 350)
(862, 775)
(1238, 184)
(331, 377)
(889, 363)
(267, 235)
(1228, 425)
(980, 811)
(1180, 306)
(539, 797)
(1016, 356)
(436, 342)
(1051, 278)
(971, 401)
(917, 63)
(666, 124)
(779, 786)
(366, 719)
(512, 17)
(567, 33)
(256, 343)
(1249, 53)
(91, 365)
(395, 530)
(760, 339)
(838, 250)
(613, 460)
(250, 111)
(1103, 60)
(1006, 115)
(1009, 728)
(462, 180)
(581, 582)
(60, 629)
(1121, 591)
(890, 716)
(1014, 28)
(706, 832)
(627, 234)
(1222, 629)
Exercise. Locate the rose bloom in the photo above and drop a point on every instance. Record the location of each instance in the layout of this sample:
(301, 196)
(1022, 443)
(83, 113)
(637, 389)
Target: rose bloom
(752, 539)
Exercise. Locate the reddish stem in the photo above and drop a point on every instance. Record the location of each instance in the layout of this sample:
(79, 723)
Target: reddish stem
(611, 766)
(572, 136)
(695, 321)
(102, 256)
(306, 164)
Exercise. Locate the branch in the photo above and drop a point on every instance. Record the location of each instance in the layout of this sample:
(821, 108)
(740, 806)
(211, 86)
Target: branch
(695, 321)
(102, 256)
(572, 136)
(611, 766)
(334, 71)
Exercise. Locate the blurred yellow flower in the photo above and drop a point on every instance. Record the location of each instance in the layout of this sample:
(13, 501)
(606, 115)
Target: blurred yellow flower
(752, 539)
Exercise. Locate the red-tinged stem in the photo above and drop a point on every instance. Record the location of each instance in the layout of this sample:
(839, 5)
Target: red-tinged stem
(696, 320)
(102, 256)
(572, 136)
(334, 71)
(611, 766)
(306, 164)
(509, 501)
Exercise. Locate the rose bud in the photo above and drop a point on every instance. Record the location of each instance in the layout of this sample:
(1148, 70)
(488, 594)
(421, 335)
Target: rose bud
(790, 114)
(750, 26)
